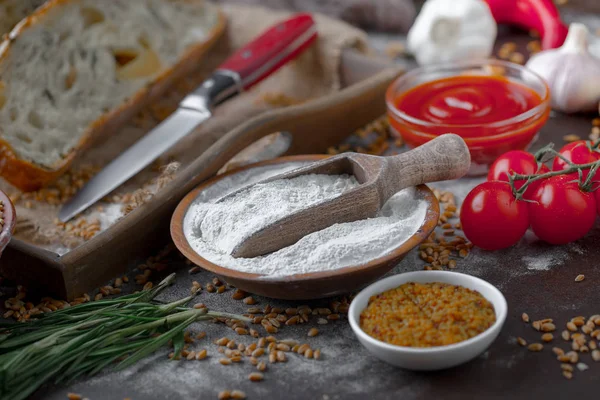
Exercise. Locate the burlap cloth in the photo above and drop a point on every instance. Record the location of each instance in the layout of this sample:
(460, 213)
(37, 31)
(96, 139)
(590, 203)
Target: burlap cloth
(314, 74)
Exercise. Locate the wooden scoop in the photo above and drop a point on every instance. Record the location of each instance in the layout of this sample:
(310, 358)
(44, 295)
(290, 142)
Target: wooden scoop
(443, 158)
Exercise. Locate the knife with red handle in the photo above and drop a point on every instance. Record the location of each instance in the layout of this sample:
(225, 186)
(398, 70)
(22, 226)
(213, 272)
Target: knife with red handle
(245, 68)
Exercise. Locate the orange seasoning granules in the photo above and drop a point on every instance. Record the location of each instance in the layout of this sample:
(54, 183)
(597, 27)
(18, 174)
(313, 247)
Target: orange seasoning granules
(427, 315)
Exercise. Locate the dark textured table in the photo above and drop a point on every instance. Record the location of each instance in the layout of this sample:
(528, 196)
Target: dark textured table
(534, 277)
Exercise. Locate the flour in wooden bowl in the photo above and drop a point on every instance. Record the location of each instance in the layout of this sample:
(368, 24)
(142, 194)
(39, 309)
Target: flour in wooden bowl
(338, 246)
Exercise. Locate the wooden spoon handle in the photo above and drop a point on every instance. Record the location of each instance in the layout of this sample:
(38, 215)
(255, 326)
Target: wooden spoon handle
(443, 158)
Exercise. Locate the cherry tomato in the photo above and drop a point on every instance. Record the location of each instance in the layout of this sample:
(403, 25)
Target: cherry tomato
(561, 212)
(519, 162)
(492, 218)
(597, 196)
(578, 153)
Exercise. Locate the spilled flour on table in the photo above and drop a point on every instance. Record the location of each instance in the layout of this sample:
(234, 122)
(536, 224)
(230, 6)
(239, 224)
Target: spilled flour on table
(544, 262)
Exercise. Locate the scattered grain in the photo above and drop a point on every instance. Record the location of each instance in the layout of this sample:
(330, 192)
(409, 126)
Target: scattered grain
(535, 347)
(201, 355)
(571, 326)
(573, 357)
(256, 377)
(224, 395)
(249, 300)
(558, 351)
(564, 358)
(194, 270)
(258, 352)
(241, 331)
(281, 356)
(283, 347)
(225, 361)
(579, 278)
(272, 358)
(238, 395)
(302, 348)
(547, 337)
(238, 294)
(566, 367)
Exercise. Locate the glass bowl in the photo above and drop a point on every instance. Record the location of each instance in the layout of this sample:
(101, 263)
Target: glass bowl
(486, 141)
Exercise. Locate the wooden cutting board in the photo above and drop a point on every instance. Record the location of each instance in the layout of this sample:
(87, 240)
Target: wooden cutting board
(313, 126)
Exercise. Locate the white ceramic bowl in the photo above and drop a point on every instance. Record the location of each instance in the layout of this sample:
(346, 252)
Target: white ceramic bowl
(431, 358)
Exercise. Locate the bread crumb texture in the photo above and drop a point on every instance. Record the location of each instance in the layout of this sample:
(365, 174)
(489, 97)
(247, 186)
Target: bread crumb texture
(80, 59)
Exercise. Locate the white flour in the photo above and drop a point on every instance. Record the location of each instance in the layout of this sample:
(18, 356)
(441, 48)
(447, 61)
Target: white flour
(227, 223)
(338, 246)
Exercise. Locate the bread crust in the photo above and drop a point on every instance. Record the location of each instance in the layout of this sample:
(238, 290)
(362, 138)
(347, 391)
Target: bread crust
(28, 176)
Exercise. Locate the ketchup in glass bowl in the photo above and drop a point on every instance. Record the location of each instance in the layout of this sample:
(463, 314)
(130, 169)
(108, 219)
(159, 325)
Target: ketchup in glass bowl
(495, 106)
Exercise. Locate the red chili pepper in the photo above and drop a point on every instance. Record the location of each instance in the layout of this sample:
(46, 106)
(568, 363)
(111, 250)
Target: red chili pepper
(540, 15)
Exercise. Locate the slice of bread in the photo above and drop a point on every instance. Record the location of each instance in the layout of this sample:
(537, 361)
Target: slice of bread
(78, 69)
(12, 11)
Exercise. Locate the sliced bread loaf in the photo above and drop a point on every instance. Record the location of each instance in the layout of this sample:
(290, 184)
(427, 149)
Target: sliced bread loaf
(12, 11)
(77, 69)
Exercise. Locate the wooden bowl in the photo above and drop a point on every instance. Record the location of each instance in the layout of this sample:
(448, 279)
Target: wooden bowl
(8, 217)
(307, 286)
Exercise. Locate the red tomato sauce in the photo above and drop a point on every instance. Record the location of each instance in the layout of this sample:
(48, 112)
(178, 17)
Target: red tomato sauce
(479, 108)
(467, 100)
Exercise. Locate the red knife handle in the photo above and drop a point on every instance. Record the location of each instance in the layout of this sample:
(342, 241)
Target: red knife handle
(255, 61)
(265, 54)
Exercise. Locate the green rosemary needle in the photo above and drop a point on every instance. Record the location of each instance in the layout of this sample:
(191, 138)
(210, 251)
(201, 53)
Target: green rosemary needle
(82, 340)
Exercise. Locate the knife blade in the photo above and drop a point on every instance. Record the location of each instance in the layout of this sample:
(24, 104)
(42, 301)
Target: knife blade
(245, 68)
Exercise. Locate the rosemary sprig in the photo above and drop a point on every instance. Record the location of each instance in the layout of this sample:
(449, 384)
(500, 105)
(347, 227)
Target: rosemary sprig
(84, 339)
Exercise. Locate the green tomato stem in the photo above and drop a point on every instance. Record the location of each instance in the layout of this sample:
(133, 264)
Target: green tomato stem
(573, 168)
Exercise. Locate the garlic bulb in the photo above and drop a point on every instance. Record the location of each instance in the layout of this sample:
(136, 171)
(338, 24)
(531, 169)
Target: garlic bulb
(594, 46)
(457, 30)
(572, 73)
